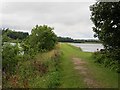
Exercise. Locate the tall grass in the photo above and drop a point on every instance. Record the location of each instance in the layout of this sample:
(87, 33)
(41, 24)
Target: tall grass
(40, 72)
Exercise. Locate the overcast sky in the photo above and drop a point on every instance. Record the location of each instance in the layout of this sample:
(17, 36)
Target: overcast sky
(69, 19)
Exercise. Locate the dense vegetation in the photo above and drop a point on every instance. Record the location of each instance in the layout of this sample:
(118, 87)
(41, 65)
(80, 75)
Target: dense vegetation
(106, 18)
(41, 72)
(42, 39)
(70, 40)
(39, 61)
(10, 36)
(55, 69)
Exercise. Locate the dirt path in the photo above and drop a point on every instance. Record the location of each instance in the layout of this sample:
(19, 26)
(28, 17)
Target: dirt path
(80, 66)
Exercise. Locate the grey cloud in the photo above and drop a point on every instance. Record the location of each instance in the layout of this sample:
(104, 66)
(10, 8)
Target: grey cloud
(69, 19)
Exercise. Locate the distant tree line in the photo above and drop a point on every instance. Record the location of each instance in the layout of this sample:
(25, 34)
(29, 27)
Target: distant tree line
(70, 40)
(8, 35)
(65, 39)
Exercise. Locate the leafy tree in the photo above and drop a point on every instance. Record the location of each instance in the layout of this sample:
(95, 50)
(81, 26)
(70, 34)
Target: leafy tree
(106, 18)
(42, 38)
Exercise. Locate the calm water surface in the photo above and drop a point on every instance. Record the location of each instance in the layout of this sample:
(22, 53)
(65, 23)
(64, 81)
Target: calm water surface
(88, 47)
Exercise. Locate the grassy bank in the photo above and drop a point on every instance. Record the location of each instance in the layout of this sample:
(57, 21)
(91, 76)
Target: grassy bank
(40, 72)
(55, 69)
(71, 78)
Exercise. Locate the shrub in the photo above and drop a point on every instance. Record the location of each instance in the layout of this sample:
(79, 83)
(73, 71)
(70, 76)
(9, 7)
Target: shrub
(10, 57)
(42, 39)
(105, 59)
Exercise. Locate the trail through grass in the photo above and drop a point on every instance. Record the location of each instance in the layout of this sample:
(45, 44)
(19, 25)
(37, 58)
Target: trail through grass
(72, 78)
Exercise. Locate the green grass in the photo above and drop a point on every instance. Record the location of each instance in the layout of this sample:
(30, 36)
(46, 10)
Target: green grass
(50, 79)
(105, 77)
(70, 78)
(60, 71)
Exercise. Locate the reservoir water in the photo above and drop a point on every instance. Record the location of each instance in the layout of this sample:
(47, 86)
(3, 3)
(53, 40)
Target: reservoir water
(87, 47)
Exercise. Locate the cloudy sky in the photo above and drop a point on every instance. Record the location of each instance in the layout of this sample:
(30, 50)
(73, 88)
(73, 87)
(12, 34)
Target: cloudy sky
(69, 19)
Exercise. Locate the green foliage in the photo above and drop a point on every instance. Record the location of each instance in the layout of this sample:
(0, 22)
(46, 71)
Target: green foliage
(18, 68)
(10, 57)
(106, 18)
(68, 39)
(106, 60)
(42, 72)
(42, 39)
(55, 75)
(65, 39)
(44, 36)
(9, 35)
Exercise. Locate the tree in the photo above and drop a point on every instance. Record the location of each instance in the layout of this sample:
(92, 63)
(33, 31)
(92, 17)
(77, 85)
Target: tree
(106, 18)
(9, 35)
(65, 39)
(42, 38)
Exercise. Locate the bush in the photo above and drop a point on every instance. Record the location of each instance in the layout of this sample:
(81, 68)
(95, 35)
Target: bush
(10, 57)
(42, 39)
(105, 59)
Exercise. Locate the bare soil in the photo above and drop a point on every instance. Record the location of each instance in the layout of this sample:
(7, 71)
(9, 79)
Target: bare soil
(80, 66)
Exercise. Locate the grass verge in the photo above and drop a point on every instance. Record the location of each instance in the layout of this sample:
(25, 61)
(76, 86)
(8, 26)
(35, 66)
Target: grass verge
(55, 69)
(105, 77)
(41, 72)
